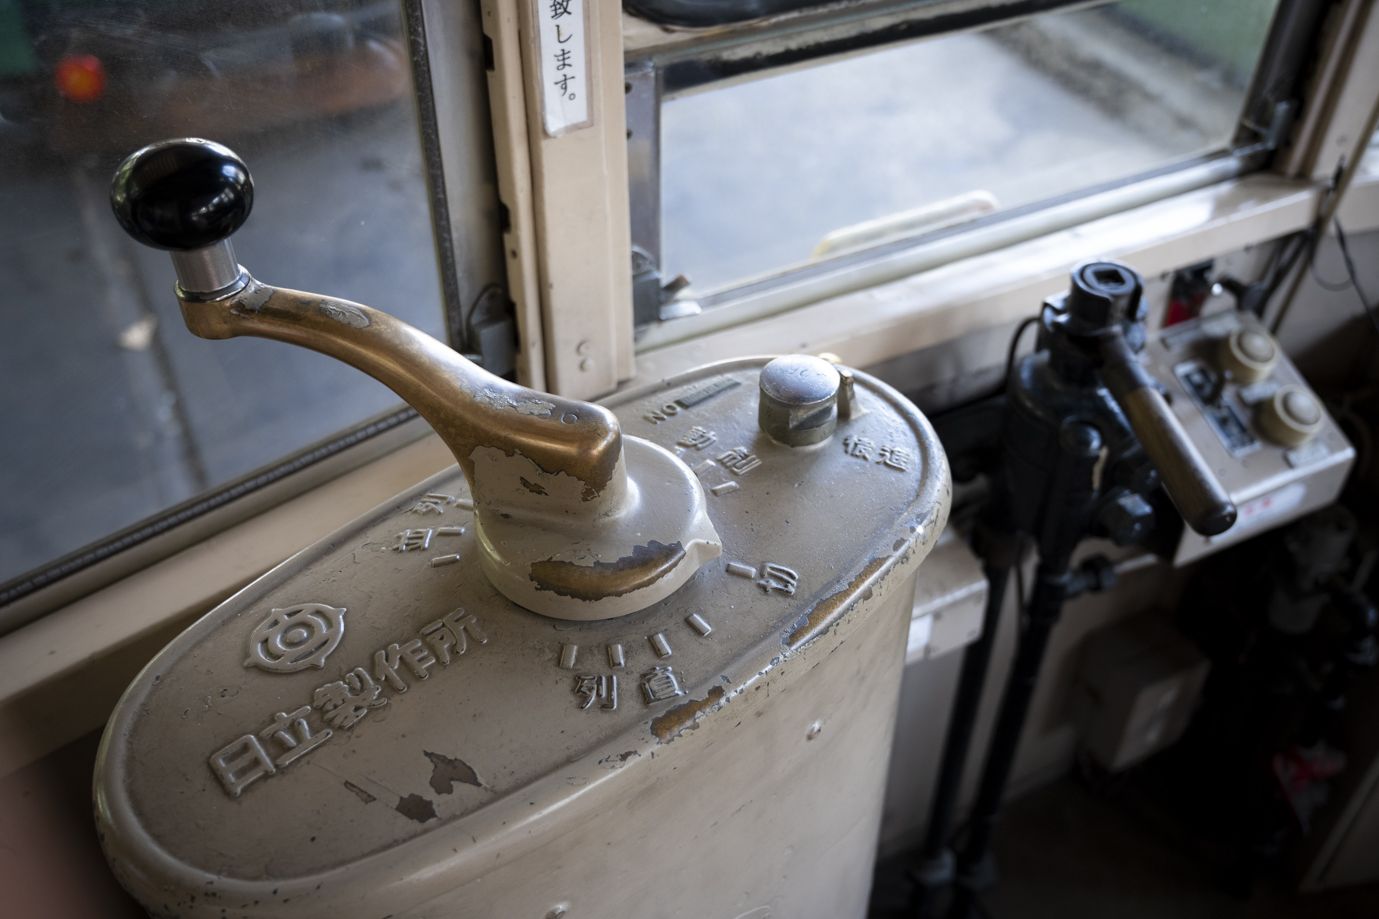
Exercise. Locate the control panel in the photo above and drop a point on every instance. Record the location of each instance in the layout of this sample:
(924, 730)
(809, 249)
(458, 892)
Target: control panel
(1261, 428)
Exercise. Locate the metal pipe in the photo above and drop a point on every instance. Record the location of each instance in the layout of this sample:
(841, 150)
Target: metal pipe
(1191, 484)
(208, 271)
(1073, 490)
(935, 871)
(1046, 604)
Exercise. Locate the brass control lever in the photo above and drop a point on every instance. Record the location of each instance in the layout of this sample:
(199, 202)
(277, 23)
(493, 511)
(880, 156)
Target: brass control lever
(574, 520)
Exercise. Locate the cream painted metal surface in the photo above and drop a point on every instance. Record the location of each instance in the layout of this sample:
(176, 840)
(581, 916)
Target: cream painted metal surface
(372, 729)
(570, 236)
(50, 660)
(947, 614)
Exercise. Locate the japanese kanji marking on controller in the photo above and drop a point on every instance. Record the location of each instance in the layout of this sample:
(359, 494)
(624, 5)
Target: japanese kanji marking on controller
(341, 704)
(296, 637)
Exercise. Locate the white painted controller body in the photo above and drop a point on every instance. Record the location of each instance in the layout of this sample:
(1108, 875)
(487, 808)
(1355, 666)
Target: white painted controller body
(373, 729)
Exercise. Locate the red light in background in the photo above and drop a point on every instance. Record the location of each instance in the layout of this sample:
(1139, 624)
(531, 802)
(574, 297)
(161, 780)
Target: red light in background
(80, 77)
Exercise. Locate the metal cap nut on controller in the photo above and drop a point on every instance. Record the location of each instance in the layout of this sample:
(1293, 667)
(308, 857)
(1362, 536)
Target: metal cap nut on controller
(799, 400)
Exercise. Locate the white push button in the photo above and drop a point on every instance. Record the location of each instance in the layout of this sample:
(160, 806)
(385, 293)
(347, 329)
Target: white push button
(1301, 407)
(1291, 418)
(1248, 355)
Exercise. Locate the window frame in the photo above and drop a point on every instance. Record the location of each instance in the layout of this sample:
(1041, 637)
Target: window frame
(664, 67)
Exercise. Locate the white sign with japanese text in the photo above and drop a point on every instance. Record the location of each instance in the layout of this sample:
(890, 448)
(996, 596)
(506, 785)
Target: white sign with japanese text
(563, 52)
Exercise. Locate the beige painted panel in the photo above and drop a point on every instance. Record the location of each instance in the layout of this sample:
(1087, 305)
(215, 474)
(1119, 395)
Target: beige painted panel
(568, 244)
(1325, 333)
(1049, 741)
(50, 673)
(43, 666)
(579, 195)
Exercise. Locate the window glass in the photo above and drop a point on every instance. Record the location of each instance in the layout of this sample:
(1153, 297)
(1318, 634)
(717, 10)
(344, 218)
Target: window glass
(112, 410)
(767, 174)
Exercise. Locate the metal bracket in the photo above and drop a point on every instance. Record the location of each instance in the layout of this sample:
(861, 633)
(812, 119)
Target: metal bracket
(653, 299)
(491, 330)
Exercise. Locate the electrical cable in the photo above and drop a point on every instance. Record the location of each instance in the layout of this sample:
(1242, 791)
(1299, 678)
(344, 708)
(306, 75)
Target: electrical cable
(1014, 347)
(1308, 241)
(1300, 241)
(1271, 269)
(1330, 200)
(1354, 275)
(1334, 286)
(1020, 588)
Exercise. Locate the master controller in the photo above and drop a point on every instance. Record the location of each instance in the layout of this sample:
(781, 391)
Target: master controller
(584, 673)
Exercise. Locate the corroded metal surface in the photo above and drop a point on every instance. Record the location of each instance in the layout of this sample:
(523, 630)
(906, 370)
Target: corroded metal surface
(449, 753)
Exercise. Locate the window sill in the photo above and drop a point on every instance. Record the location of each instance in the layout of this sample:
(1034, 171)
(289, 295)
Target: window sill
(970, 294)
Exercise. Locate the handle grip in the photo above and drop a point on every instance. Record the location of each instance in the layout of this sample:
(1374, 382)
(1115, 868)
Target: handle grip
(1189, 481)
(568, 444)
(189, 196)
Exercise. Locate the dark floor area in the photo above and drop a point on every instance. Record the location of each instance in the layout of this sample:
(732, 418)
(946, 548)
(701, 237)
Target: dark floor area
(1067, 852)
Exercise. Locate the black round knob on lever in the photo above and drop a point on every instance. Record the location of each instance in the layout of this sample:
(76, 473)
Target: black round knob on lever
(182, 194)
(186, 196)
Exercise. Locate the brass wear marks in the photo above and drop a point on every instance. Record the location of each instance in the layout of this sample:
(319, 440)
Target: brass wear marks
(771, 577)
